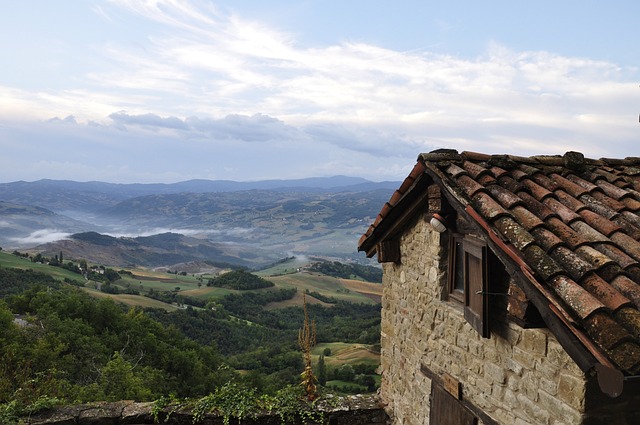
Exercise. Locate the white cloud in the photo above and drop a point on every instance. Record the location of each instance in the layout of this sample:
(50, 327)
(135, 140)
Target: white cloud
(190, 97)
(41, 237)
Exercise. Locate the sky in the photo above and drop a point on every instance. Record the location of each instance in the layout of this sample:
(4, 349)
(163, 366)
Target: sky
(161, 91)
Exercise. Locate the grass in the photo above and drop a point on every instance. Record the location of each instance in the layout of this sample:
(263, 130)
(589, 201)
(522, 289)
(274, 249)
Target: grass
(349, 353)
(143, 280)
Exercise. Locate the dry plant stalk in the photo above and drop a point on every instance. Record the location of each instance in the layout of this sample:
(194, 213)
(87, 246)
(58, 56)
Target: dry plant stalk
(306, 341)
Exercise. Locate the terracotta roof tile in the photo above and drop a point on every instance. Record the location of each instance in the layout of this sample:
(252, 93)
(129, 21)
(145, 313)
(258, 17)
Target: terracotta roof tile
(526, 218)
(564, 232)
(609, 202)
(546, 182)
(590, 187)
(569, 202)
(469, 186)
(631, 218)
(574, 221)
(475, 156)
(588, 232)
(582, 302)
(567, 215)
(570, 187)
(498, 172)
(454, 171)
(600, 223)
(536, 190)
(547, 240)
(631, 204)
(612, 190)
(631, 246)
(532, 204)
(571, 262)
(607, 294)
(506, 198)
(541, 263)
(487, 206)
(475, 170)
(616, 254)
(627, 227)
(515, 233)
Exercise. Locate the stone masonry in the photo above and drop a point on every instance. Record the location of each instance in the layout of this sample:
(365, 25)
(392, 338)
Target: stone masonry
(517, 376)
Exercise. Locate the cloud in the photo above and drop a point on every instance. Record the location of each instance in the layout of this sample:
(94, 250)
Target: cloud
(41, 237)
(147, 120)
(204, 93)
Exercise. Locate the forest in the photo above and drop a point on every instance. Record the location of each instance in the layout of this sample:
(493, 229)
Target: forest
(60, 345)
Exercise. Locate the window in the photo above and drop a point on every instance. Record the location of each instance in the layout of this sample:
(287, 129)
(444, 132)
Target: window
(468, 280)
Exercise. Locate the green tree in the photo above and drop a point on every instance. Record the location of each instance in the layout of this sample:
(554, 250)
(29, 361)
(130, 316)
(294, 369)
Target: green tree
(119, 382)
(322, 371)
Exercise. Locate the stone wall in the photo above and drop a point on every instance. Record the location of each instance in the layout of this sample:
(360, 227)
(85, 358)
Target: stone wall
(351, 410)
(517, 376)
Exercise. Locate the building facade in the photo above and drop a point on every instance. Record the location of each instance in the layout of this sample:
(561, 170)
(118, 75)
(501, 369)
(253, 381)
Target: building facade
(511, 291)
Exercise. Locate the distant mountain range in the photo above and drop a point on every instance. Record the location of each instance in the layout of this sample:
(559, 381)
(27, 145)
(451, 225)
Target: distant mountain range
(261, 220)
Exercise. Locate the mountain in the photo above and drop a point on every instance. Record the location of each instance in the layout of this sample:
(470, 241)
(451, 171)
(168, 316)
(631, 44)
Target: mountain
(153, 251)
(318, 216)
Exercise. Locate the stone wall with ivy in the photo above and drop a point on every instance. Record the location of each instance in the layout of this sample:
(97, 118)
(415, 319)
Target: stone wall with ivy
(350, 410)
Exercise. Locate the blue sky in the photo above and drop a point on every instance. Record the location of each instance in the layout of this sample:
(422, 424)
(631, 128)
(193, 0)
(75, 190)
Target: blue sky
(164, 91)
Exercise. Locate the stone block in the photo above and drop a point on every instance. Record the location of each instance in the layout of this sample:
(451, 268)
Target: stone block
(571, 390)
(524, 358)
(559, 409)
(495, 373)
(534, 341)
(536, 413)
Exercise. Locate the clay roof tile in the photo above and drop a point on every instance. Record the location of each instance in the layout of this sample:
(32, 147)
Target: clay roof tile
(581, 302)
(571, 262)
(526, 218)
(487, 206)
(609, 202)
(506, 198)
(541, 263)
(603, 225)
(628, 288)
(570, 187)
(469, 186)
(539, 209)
(606, 331)
(588, 232)
(546, 239)
(569, 201)
(564, 232)
(612, 190)
(514, 233)
(536, 190)
(567, 215)
(607, 294)
(627, 244)
(545, 182)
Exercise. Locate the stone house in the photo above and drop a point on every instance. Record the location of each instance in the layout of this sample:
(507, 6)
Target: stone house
(511, 290)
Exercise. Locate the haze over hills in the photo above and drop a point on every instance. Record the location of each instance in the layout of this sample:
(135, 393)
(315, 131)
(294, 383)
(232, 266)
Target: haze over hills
(241, 222)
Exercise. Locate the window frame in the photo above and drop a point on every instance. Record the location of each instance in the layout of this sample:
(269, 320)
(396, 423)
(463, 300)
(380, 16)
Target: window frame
(468, 255)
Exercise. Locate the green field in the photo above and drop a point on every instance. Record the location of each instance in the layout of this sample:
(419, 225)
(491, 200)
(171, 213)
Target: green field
(342, 352)
(284, 275)
(12, 261)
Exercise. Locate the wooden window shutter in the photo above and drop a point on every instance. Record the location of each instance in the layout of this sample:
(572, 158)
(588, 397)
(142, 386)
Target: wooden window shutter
(476, 299)
(388, 251)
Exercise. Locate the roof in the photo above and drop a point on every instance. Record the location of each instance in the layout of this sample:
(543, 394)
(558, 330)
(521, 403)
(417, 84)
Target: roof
(572, 223)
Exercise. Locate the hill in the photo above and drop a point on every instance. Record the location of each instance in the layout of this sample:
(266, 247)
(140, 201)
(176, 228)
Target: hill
(150, 251)
(269, 219)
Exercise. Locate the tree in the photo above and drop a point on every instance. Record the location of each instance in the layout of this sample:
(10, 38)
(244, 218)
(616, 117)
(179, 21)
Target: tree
(322, 371)
(345, 373)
